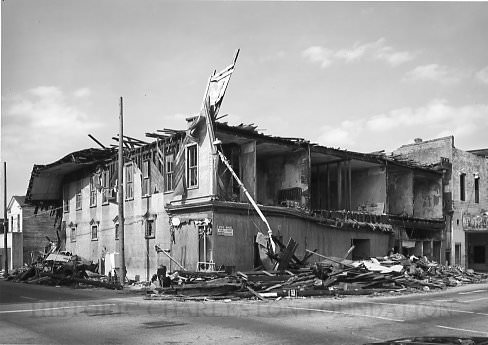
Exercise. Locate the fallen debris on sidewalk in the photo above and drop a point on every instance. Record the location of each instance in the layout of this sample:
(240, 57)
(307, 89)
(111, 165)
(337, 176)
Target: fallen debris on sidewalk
(62, 268)
(293, 277)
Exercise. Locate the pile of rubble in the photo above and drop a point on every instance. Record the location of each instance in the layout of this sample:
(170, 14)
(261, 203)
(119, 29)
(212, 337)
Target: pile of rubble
(55, 267)
(330, 276)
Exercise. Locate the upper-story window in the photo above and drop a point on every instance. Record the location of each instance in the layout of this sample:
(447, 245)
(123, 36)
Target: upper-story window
(129, 182)
(146, 181)
(169, 169)
(462, 187)
(477, 189)
(93, 191)
(192, 166)
(105, 186)
(18, 223)
(65, 199)
(78, 196)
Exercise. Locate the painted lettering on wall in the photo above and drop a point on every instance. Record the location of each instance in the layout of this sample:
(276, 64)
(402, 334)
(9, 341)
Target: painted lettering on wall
(223, 230)
(475, 221)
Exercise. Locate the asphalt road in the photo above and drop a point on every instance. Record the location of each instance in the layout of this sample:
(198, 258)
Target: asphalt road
(31, 314)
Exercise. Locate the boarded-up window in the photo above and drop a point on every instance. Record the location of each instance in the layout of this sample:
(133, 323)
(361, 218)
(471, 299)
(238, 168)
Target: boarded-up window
(129, 182)
(169, 172)
(192, 166)
(146, 181)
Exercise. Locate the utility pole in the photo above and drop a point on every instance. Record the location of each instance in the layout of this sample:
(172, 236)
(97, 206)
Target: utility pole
(121, 191)
(5, 221)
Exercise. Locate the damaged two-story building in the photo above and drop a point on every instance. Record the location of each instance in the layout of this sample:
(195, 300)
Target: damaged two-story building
(198, 198)
(182, 199)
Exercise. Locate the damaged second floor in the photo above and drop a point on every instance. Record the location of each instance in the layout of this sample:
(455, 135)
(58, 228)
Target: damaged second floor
(294, 174)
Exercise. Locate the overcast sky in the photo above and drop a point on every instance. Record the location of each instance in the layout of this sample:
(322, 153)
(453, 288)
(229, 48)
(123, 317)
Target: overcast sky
(358, 76)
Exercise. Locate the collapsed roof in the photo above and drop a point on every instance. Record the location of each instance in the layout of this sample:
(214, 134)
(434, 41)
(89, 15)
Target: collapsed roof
(46, 180)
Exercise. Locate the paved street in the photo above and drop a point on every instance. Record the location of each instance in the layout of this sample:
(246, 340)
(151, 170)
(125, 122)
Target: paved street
(49, 315)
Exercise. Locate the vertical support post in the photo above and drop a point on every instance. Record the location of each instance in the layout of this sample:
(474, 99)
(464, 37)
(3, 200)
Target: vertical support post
(339, 185)
(328, 187)
(5, 221)
(121, 192)
(205, 247)
(349, 189)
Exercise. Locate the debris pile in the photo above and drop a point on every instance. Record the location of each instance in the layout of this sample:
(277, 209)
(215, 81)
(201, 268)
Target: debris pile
(329, 276)
(55, 267)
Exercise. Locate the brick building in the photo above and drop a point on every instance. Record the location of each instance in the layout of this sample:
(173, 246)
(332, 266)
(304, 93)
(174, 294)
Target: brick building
(465, 197)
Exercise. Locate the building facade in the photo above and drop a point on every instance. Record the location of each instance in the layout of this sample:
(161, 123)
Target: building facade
(465, 195)
(180, 199)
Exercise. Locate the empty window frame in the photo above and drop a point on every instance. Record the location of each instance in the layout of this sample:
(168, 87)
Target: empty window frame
(129, 182)
(94, 232)
(192, 166)
(477, 190)
(93, 191)
(462, 187)
(78, 196)
(150, 229)
(169, 170)
(146, 181)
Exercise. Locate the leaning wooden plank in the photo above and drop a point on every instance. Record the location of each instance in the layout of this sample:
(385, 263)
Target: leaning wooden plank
(341, 262)
(282, 247)
(255, 293)
(286, 255)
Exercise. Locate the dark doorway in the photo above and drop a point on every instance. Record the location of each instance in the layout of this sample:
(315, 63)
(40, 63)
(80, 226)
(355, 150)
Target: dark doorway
(361, 249)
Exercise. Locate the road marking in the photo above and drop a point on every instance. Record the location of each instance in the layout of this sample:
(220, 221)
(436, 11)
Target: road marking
(54, 308)
(28, 297)
(470, 292)
(463, 330)
(337, 312)
(474, 300)
(428, 306)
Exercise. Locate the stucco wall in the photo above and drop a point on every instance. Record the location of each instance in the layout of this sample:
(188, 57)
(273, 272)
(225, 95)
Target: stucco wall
(427, 190)
(281, 172)
(368, 186)
(238, 250)
(137, 248)
(400, 191)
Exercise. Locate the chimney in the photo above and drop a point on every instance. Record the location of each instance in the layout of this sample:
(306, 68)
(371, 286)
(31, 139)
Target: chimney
(417, 140)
